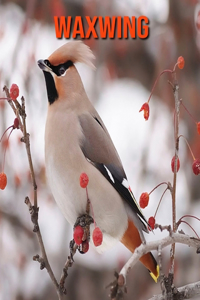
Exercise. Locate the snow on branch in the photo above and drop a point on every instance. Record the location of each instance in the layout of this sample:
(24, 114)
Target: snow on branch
(185, 292)
(118, 287)
(162, 243)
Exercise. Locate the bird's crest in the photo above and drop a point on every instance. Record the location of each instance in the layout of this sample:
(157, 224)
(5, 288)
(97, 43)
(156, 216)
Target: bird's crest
(76, 51)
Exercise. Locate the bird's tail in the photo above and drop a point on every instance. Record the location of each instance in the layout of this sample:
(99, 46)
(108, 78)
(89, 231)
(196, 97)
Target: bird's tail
(131, 240)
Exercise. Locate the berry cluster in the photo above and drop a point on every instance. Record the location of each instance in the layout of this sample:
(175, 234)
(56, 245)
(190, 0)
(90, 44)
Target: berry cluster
(79, 239)
(14, 93)
(175, 162)
(144, 201)
(145, 107)
(80, 236)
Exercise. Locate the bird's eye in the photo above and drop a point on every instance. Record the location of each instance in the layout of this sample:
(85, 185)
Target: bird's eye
(47, 63)
(62, 71)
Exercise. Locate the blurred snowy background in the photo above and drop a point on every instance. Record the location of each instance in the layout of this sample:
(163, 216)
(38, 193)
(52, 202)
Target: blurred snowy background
(126, 71)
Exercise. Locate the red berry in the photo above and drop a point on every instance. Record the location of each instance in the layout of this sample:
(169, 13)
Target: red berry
(173, 164)
(198, 128)
(97, 236)
(144, 200)
(16, 123)
(196, 166)
(84, 180)
(181, 62)
(3, 181)
(14, 91)
(145, 107)
(152, 222)
(85, 246)
(78, 234)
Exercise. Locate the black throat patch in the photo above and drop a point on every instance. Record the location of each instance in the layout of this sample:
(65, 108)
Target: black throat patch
(59, 70)
(51, 88)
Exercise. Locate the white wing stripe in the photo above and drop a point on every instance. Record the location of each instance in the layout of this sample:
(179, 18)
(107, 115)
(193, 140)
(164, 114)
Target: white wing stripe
(125, 183)
(109, 174)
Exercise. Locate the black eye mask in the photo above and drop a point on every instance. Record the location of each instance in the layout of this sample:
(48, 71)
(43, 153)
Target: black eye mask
(60, 69)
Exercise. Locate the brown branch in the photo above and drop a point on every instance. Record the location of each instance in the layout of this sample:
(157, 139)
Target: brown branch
(68, 264)
(44, 263)
(13, 106)
(176, 139)
(26, 140)
(117, 287)
(188, 291)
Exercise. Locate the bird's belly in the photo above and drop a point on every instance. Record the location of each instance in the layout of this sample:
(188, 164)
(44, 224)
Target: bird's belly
(107, 207)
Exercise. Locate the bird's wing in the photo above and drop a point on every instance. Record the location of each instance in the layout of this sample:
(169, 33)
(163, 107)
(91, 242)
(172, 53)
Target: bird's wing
(99, 149)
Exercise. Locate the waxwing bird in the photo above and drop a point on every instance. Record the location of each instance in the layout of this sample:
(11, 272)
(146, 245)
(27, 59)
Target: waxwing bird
(77, 141)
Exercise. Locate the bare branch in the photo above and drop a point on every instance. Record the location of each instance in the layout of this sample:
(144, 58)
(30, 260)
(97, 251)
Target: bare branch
(68, 264)
(166, 282)
(185, 292)
(159, 244)
(26, 140)
(176, 139)
(44, 263)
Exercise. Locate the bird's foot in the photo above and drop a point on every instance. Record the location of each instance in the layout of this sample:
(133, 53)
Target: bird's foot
(84, 220)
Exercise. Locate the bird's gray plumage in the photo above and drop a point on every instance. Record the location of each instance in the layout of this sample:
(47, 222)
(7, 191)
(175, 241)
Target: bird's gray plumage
(98, 147)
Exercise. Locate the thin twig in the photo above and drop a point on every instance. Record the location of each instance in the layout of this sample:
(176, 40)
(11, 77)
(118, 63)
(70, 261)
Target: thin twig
(164, 227)
(68, 264)
(160, 201)
(26, 140)
(156, 81)
(12, 104)
(176, 134)
(161, 275)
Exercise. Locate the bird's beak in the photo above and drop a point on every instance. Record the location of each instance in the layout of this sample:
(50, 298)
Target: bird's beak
(43, 66)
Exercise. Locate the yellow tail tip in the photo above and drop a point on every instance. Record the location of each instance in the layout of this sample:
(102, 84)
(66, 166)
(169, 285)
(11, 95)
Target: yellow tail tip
(155, 277)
